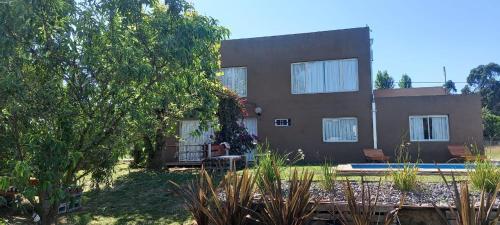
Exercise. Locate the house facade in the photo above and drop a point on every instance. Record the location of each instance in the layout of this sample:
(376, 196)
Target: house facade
(313, 91)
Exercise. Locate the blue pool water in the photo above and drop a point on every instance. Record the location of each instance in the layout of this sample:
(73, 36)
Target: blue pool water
(446, 166)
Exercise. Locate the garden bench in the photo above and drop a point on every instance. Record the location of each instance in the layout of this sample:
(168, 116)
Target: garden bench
(462, 152)
(375, 155)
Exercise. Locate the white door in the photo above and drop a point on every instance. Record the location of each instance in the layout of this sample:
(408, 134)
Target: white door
(251, 125)
(191, 144)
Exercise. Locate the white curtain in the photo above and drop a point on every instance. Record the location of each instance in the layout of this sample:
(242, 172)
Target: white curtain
(348, 75)
(440, 128)
(416, 128)
(325, 76)
(332, 76)
(298, 78)
(191, 143)
(251, 125)
(314, 77)
(340, 130)
(235, 78)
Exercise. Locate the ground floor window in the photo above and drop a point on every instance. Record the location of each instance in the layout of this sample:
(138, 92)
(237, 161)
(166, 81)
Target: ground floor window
(340, 129)
(429, 128)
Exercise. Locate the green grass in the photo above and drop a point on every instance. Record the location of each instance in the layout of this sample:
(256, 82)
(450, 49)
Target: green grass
(318, 175)
(493, 152)
(136, 197)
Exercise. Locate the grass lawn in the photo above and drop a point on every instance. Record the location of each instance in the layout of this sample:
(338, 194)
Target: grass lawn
(493, 152)
(136, 197)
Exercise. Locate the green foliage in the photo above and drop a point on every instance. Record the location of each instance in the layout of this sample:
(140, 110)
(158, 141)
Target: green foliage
(405, 81)
(405, 179)
(329, 175)
(383, 80)
(485, 80)
(81, 80)
(230, 115)
(293, 208)
(268, 158)
(450, 86)
(484, 175)
(491, 124)
(466, 90)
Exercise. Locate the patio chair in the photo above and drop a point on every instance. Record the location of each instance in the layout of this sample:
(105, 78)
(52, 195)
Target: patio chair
(462, 152)
(375, 155)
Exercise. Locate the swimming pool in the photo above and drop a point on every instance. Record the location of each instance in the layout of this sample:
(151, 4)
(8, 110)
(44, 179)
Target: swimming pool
(433, 166)
(385, 168)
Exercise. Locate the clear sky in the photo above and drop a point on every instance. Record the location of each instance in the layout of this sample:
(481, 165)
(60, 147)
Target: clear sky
(413, 37)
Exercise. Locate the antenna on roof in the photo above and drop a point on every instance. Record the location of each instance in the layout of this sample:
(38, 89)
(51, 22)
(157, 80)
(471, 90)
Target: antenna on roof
(444, 72)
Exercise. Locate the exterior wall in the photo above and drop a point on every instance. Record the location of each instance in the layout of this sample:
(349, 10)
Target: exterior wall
(268, 61)
(400, 92)
(464, 116)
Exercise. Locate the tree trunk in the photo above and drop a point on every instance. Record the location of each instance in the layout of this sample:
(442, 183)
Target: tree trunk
(155, 159)
(137, 155)
(148, 146)
(48, 209)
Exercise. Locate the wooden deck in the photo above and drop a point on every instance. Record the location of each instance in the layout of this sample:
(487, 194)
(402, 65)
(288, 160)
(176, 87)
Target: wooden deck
(193, 164)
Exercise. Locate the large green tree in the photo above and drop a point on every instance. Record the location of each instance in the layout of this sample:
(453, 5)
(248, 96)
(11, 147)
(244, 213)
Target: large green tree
(383, 80)
(491, 123)
(79, 80)
(485, 80)
(405, 81)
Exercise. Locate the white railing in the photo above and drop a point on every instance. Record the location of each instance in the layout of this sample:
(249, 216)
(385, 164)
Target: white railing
(190, 153)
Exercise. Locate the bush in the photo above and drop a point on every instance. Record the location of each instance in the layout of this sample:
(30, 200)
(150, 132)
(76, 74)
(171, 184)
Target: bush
(268, 159)
(227, 203)
(485, 175)
(329, 174)
(292, 208)
(406, 179)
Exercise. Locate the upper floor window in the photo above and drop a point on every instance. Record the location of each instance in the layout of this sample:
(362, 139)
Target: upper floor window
(235, 78)
(325, 76)
(340, 129)
(429, 128)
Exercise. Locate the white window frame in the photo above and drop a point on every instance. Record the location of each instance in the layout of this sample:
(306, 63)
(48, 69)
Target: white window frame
(324, 85)
(339, 141)
(246, 79)
(429, 116)
(288, 122)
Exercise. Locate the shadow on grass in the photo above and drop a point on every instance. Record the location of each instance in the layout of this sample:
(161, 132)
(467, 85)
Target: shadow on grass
(140, 197)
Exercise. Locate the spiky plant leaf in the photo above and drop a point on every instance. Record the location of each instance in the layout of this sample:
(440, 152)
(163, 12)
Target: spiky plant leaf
(296, 208)
(360, 212)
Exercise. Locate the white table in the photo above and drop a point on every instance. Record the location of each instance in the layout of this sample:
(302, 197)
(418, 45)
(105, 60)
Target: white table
(231, 159)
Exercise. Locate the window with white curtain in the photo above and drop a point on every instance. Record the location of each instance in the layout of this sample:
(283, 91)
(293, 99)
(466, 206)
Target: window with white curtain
(235, 78)
(340, 129)
(429, 128)
(325, 76)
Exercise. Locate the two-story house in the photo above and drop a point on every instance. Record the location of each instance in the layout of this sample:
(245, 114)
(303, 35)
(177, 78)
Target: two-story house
(313, 91)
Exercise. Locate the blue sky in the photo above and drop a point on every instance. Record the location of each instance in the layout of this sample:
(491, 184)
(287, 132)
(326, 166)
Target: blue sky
(413, 37)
